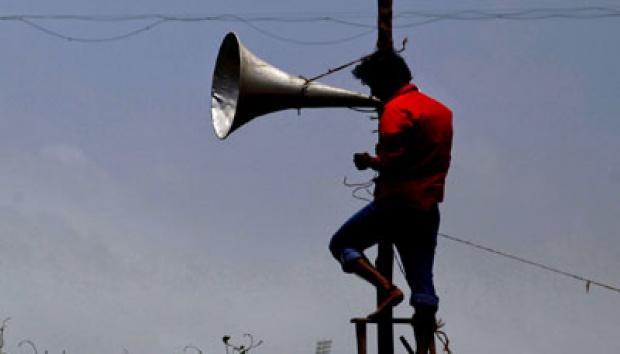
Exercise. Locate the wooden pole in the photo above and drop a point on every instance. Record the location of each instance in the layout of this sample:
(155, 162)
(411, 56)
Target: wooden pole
(384, 25)
(385, 327)
(385, 253)
(360, 333)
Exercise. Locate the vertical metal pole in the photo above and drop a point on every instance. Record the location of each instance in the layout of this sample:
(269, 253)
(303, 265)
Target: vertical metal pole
(385, 327)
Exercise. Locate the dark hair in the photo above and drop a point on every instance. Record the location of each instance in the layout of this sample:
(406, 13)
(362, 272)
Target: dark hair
(383, 67)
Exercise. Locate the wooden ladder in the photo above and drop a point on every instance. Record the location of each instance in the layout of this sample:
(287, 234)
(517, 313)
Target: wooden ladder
(361, 329)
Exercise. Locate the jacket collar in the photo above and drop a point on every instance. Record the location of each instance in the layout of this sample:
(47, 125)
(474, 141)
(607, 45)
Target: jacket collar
(406, 88)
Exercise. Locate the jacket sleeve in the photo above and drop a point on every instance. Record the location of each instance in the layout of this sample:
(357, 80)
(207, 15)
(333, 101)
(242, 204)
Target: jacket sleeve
(396, 128)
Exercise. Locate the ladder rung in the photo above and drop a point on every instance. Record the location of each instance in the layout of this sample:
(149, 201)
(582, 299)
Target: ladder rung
(396, 320)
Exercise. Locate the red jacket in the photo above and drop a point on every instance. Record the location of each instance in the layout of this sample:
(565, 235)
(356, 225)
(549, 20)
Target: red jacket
(414, 149)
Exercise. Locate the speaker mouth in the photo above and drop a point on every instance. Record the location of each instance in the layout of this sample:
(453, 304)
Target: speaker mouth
(225, 86)
(245, 87)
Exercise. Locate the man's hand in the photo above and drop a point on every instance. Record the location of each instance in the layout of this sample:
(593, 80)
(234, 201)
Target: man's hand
(362, 160)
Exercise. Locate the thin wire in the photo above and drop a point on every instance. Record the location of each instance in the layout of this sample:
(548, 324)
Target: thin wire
(346, 65)
(302, 42)
(585, 12)
(159, 19)
(92, 40)
(357, 187)
(424, 18)
(587, 281)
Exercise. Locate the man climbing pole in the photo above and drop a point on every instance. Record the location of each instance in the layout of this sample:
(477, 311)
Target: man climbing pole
(412, 160)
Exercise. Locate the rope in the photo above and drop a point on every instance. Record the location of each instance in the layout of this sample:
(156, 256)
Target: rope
(442, 336)
(344, 66)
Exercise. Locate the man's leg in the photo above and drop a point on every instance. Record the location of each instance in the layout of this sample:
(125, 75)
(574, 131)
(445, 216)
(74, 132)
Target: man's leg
(416, 247)
(393, 295)
(424, 327)
(347, 245)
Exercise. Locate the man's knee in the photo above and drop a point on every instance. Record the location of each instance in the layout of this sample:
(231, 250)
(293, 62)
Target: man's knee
(334, 248)
(345, 255)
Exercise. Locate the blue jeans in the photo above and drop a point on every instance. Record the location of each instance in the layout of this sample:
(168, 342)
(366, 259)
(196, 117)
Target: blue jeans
(412, 231)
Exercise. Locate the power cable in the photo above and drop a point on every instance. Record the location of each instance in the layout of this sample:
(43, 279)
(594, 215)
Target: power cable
(92, 40)
(346, 19)
(587, 281)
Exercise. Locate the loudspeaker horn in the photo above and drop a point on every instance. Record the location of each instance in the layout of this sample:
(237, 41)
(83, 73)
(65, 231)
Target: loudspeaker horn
(245, 87)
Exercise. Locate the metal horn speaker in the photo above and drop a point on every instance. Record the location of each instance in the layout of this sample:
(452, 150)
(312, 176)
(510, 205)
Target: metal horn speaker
(245, 87)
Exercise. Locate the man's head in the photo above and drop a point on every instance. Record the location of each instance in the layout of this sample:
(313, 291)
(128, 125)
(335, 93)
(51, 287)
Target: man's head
(385, 72)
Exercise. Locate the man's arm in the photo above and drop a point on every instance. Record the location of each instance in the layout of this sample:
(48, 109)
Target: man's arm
(390, 153)
(363, 161)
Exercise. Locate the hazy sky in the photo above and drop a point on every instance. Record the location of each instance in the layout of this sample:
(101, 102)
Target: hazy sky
(125, 223)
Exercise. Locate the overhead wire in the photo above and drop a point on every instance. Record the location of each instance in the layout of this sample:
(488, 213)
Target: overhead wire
(365, 22)
(588, 282)
(92, 40)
